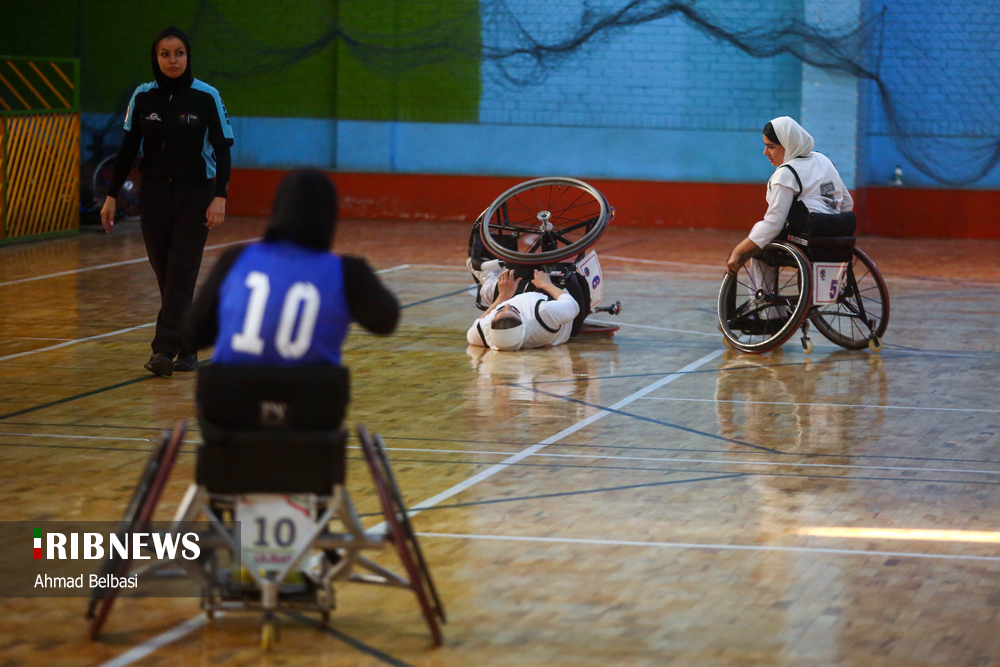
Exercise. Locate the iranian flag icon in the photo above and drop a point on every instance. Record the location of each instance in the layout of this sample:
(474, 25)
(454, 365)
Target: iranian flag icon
(38, 543)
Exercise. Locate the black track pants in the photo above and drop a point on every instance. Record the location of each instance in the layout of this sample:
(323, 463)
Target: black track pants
(173, 227)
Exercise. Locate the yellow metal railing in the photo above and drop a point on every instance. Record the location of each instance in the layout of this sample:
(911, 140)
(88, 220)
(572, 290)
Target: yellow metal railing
(39, 146)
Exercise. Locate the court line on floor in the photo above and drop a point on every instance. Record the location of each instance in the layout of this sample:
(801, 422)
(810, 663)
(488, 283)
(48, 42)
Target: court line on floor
(646, 326)
(824, 405)
(659, 422)
(583, 423)
(711, 547)
(711, 461)
(179, 631)
(159, 641)
(152, 324)
(112, 265)
(349, 640)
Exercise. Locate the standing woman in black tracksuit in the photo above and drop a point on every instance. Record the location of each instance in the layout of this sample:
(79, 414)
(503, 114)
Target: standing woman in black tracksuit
(184, 131)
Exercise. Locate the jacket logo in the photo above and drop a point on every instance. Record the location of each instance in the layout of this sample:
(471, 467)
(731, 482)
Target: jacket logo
(189, 118)
(153, 116)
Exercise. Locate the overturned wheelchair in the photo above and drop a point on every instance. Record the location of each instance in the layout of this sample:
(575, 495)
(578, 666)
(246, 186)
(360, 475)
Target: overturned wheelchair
(813, 274)
(273, 464)
(547, 224)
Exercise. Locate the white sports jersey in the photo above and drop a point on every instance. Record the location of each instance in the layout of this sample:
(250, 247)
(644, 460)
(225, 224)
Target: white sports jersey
(557, 320)
(823, 191)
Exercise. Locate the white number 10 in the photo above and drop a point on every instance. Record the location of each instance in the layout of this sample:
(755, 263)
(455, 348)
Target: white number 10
(301, 294)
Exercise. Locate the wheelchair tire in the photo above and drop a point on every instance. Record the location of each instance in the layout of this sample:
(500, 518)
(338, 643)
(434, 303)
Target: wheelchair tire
(559, 218)
(397, 497)
(127, 201)
(402, 541)
(742, 322)
(841, 322)
(139, 511)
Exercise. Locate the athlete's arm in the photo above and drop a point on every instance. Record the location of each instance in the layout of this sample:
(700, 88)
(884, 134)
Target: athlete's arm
(200, 327)
(371, 305)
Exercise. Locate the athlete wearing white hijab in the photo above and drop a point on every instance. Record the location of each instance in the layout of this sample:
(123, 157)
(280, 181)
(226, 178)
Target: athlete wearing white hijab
(531, 319)
(802, 175)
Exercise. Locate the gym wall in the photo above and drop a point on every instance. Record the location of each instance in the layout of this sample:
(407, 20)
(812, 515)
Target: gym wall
(420, 108)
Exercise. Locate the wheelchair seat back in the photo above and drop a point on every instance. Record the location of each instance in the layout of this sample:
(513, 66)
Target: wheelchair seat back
(269, 429)
(826, 237)
(310, 397)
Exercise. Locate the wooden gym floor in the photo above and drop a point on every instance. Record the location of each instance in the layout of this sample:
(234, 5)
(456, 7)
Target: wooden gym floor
(659, 500)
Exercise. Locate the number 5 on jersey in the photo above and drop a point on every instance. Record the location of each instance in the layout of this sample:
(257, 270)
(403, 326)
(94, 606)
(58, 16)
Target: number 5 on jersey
(291, 341)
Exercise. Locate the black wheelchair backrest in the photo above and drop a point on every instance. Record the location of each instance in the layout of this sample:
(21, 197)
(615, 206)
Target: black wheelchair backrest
(310, 397)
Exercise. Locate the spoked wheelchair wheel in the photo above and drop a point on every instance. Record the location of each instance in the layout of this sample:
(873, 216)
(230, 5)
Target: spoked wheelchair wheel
(138, 512)
(403, 536)
(765, 302)
(127, 202)
(546, 219)
(860, 314)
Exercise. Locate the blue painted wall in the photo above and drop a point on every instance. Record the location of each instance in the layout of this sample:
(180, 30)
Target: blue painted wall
(941, 63)
(663, 100)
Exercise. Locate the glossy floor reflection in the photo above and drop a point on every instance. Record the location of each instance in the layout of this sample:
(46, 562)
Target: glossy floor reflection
(663, 500)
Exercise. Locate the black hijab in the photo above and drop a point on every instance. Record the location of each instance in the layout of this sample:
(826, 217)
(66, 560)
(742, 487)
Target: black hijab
(305, 210)
(163, 81)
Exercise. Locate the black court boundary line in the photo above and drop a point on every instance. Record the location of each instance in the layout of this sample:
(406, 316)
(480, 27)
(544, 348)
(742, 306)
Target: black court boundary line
(347, 639)
(845, 478)
(387, 438)
(150, 377)
(77, 396)
(680, 449)
(660, 422)
(435, 298)
(574, 493)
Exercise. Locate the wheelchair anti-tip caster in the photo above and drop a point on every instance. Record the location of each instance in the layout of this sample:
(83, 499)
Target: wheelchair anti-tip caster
(807, 345)
(875, 344)
(613, 309)
(268, 633)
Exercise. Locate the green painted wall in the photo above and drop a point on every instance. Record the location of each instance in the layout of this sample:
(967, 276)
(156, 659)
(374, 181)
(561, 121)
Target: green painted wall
(271, 59)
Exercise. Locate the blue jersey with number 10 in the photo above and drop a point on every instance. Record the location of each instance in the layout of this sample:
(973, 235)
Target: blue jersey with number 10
(282, 304)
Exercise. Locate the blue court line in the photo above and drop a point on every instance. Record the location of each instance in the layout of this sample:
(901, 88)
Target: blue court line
(435, 298)
(769, 450)
(578, 493)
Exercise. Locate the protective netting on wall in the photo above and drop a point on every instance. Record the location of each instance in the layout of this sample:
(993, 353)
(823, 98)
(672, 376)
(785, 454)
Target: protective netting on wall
(939, 108)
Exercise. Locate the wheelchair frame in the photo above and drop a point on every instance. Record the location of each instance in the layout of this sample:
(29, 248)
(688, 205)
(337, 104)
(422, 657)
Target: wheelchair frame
(735, 322)
(273, 594)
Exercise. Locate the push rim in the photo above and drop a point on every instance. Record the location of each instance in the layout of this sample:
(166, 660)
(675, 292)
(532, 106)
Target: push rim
(747, 321)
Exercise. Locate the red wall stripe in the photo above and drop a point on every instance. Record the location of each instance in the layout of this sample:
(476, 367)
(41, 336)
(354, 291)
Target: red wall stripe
(884, 210)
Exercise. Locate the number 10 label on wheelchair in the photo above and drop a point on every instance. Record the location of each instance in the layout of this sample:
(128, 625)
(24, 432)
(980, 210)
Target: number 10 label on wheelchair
(275, 529)
(828, 281)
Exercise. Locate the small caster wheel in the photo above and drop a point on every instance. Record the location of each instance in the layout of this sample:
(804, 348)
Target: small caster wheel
(268, 634)
(875, 344)
(807, 345)
(210, 614)
(326, 618)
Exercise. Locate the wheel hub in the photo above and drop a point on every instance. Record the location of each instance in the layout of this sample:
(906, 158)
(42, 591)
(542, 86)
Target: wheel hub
(543, 218)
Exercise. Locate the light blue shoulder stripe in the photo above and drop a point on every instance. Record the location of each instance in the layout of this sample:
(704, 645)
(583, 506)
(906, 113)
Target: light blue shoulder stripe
(144, 88)
(227, 128)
